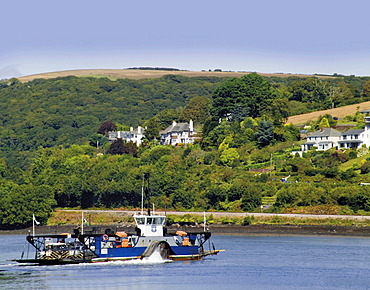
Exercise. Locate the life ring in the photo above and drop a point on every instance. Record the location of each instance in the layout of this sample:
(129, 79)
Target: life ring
(105, 237)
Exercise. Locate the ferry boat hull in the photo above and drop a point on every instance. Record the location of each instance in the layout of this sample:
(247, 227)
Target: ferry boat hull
(93, 247)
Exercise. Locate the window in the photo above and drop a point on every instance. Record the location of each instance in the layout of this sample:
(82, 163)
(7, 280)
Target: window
(140, 221)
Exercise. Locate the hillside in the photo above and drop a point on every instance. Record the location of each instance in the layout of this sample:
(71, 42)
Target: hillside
(142, 74)
(59, 108)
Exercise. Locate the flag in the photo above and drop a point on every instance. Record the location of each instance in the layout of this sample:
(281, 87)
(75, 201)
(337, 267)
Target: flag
(36, 222)
(85, 222)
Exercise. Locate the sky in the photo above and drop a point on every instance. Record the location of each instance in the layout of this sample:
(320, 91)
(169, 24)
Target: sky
(286, 36)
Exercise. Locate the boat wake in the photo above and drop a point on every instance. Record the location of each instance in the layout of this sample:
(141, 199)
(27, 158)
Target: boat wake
(155, 258)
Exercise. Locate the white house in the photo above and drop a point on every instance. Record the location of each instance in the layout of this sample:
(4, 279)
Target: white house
(177, 133)
(356, 138)
(322, 139)
(134, 135)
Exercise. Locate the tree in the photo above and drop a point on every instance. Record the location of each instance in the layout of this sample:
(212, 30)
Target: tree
(117, 147)
(130, 148)
(258, 95)
(239, 113)
(22, 201)
(106, 127)
(198, 109)
(152, 129)
(365, 167)
(324, 123)
(228, 156)
(278, 111)
(366, 90)
(97, 140)
(166, 117)
(218, 134)
(224, 98)
(265, 134)
(251, 197)
(251, 91)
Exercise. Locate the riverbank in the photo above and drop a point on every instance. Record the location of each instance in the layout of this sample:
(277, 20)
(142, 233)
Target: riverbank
(252, 230)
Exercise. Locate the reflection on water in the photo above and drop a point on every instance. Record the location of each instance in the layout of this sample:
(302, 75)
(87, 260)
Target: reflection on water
(249, 262)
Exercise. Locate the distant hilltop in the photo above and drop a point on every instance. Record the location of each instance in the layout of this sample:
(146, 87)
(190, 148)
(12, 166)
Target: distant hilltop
(146, 72)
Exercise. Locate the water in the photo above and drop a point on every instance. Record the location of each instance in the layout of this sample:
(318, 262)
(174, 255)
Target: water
(249, 262)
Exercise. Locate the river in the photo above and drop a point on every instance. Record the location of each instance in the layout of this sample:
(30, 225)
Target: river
(249, 262)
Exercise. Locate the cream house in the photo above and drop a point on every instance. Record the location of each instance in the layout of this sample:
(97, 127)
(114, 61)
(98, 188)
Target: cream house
(178, 133)
(356, 138)
(322, 139)
(134, 135)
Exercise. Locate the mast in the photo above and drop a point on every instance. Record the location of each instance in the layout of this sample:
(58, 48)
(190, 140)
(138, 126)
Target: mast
(146, 190)
(142, 197)
(82, 223)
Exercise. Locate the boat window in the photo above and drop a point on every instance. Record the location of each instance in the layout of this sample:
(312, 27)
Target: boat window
(140, 221)
(149, 221)
(159, 220)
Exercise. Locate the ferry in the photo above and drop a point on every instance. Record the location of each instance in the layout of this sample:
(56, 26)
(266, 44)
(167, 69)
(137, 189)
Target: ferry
(150, 235)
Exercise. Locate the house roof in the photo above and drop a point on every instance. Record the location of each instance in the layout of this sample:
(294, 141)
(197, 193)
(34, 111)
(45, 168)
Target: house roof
(353, 132)
(179, 127)
(351, 141)
(326, 142)
(138, 130)
(325, 132)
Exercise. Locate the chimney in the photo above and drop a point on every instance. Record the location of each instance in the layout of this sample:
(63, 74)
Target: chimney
(131, 129)
(191, 125)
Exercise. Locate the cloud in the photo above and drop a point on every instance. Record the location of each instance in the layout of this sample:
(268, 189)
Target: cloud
(10, 71)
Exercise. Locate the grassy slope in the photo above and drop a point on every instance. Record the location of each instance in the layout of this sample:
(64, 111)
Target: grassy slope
(336, 112)
(140, 74)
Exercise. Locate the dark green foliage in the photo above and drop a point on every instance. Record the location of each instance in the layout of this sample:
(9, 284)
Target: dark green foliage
(212, 175)
(97, 140)
(251, 197)
(365, 168)
(182, 199)
(265, 133)
(300, 194)
(166, 117)
(19, 202)
(247, 220)
(198, 110)
(152, 129)
(298, 164)
(357, 198)
(239, 113)
(68, 110)
(225, 97)
(251, 92)
(348, 174)
(153, 155)
(286, 133)
(215, 194)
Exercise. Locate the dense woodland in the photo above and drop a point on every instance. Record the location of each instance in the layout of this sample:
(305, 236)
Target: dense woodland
(54, 152)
